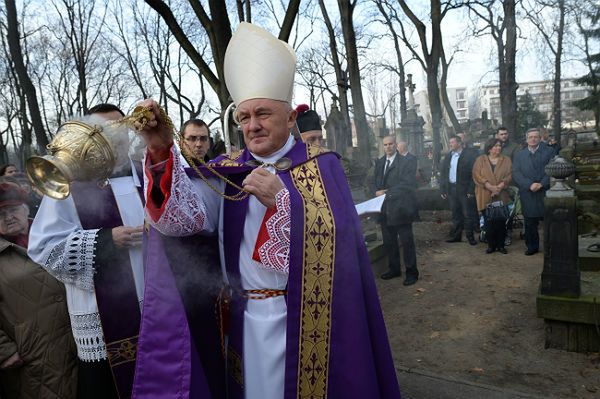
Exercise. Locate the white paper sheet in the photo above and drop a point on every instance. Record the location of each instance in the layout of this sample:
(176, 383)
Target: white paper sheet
(371, 206)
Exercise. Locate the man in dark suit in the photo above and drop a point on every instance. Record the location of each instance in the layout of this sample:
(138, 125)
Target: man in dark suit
(395, 176)
(456, 184)
(528, 174)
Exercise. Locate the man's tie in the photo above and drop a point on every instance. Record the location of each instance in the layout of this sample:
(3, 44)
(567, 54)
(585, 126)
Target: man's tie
(387, 165)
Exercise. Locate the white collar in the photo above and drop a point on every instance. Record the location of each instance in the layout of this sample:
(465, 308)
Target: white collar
(533, 150)
(277, 155)
(391, 159)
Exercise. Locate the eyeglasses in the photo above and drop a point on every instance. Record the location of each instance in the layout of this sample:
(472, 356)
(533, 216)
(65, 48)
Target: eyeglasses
(195, 139)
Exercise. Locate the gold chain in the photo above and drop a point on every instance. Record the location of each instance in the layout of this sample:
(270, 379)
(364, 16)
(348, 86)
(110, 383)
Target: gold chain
(142, 114)
(239, 196)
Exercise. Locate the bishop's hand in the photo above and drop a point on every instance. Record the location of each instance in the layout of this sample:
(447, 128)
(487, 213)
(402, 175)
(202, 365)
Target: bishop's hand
(155, 130)
(263, 185)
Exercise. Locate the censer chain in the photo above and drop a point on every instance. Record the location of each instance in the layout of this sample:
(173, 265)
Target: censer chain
(142, 114)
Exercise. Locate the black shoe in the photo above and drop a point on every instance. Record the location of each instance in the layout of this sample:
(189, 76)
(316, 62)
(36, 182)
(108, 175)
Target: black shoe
(454, 239)
(502, 250)
(530, 252)
(390, 275)
(489, 250)
(472, 240)
(410, 281)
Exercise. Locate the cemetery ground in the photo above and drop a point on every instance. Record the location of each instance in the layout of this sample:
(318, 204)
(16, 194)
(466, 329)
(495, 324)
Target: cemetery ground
(469, 328)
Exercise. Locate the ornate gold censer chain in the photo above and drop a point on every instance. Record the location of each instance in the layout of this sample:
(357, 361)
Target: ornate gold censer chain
(138, 120)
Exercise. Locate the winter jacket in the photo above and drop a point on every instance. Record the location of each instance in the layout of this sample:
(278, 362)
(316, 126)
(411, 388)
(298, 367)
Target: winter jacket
(34, 322)
(527, 169)
(482, 173)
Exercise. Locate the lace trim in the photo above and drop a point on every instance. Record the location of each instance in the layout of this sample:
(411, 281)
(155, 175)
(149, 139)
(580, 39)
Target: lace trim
(275, 252)
(87, 331)
(72, 260)
(184, 212)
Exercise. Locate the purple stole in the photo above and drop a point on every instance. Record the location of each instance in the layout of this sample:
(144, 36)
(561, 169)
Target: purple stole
(337, 344)
(114, 284)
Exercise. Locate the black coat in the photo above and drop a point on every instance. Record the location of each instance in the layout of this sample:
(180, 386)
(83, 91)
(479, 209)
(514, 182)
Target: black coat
(464, 171)
(527, 169)
(400, 181)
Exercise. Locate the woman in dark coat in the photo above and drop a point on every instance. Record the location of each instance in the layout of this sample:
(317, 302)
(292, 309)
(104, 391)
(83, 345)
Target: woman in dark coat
(37, 351)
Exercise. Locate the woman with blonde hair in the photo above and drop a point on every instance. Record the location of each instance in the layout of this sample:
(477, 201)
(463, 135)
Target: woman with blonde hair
(492, 174)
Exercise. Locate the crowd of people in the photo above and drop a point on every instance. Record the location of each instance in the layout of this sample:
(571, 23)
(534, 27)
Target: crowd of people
(482, 188)
(248, 278)
(478, 187)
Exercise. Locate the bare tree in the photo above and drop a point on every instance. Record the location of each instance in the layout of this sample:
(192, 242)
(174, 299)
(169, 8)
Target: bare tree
(444, 92)
(502, 26)
(347, 8)
(341, 78)
(218, 28)
(389, 15)
(538, 12)
(82, 31)
(14, 44)
(430, 62)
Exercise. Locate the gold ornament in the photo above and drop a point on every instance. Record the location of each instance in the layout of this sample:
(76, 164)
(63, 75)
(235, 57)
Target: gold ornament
(80, 151)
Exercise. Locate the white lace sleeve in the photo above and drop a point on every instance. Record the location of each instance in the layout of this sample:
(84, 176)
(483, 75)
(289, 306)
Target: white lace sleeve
(72, 261)
(187, 208)
(59, 243)
(275, 252)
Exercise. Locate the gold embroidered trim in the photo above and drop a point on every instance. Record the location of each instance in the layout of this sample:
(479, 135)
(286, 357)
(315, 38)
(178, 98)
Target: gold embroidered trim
(230, 160)
(317, 280)
(122, 351)
(313, 150)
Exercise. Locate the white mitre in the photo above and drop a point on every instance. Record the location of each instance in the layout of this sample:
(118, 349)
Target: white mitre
(258, 65)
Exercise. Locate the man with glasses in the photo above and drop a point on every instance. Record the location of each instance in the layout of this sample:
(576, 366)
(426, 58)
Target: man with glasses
(197, 138)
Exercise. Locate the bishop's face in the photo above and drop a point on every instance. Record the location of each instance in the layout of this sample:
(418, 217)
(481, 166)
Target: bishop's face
(266, 124)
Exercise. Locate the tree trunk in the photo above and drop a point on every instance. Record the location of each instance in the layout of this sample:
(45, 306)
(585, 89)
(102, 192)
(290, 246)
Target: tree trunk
(400, 72)
(346, 140)
(360, 116)
(557, 108)
(433, 90)
(445, 99)
(507, 69)
(288, 20)
(167, 15)
(435, 105)
(14, 44)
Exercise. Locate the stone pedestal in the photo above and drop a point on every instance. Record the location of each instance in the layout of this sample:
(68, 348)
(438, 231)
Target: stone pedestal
(561, 276)
(412, 132)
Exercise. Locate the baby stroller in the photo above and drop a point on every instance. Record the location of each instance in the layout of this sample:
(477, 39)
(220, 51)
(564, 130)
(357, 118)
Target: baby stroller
(514, 221)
